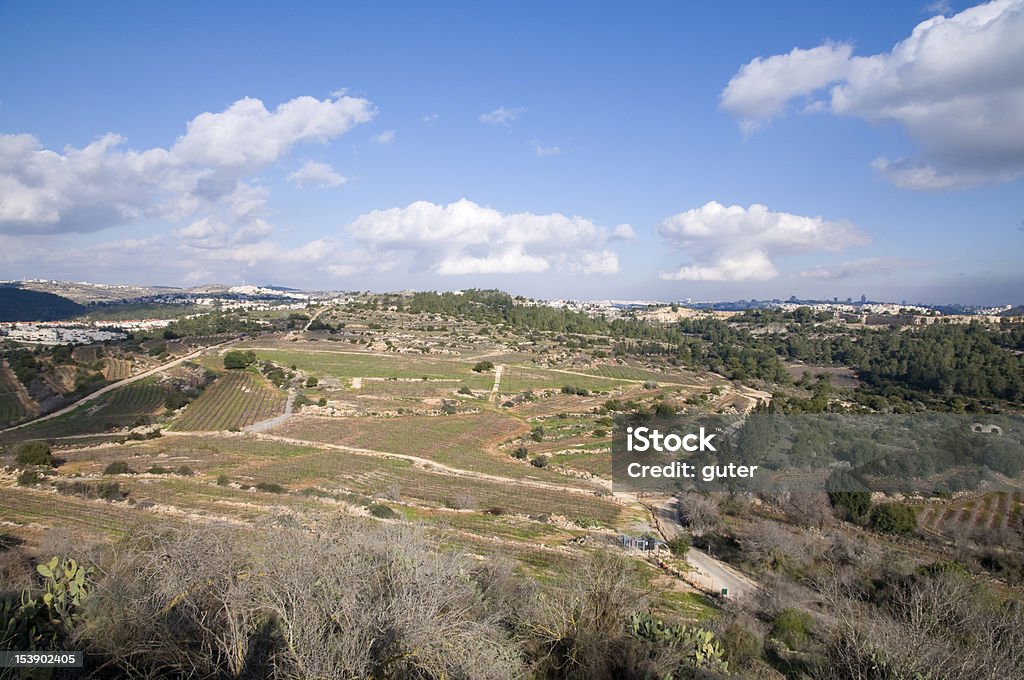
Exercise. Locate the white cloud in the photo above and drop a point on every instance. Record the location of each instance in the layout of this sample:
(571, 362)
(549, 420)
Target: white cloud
(466, 238)
(104, 184)
(385, 137)
(906, 174)
(733, 243)
(317, 174)
(430, 118)
(541, 150)
(623, 232)
(763, 87)
(872, 266)
(955, 84)
(501, 116)
(741, 266)
(596, 262)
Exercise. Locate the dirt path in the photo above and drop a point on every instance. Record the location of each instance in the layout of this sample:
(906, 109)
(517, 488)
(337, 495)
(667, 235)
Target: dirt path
(315, 316)
(421, 463)
(497, 382)
(271, 423)
(121, 383)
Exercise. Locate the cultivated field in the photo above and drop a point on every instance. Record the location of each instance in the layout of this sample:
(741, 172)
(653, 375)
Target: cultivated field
(133, 404)
(117, 369)
(466, 441)
(996, 511)
(337, 363)
(11, 408)
(233, 401)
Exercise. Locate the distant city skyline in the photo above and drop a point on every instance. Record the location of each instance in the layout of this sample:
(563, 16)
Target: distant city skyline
(659, 152)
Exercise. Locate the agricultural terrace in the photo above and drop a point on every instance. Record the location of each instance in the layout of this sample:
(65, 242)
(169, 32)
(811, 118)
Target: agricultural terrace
(341, 364)
(989, 513)
(250, 460)
(465, 441)
(233, 401)
(128, 406)
(87, 354)
(117, 369)
(11, 408)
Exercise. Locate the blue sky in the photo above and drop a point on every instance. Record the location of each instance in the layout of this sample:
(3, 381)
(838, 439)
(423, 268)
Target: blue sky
(669, 151)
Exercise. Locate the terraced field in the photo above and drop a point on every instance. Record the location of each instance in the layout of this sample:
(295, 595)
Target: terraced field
(119, 408)
(32, 508)
(11, 409)
(327, 362)
(521, 378)
(371, 475)
(636, 373)
(995, 511)
(233, 401)
(88, 354)
(464, 441)
(117, 369)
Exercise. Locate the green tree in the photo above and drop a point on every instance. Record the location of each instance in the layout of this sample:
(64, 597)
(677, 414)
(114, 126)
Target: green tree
(235, 359)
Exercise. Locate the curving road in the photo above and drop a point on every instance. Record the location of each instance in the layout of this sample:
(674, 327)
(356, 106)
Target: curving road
(712, 574)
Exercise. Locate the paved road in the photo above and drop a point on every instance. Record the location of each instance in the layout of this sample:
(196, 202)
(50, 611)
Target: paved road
(120, 383)
(713, 574)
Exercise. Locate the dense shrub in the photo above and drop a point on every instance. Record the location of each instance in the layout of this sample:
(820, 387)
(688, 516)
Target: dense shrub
(34, 453)
(118, 467)
(680, 545)
(793, 627)
(29, 477)
(893, 518)
(382, 511)
(270, 487)
(176, 400)
(852, 505)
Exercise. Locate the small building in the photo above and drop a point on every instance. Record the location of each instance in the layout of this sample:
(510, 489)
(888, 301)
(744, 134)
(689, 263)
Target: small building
(642, 543)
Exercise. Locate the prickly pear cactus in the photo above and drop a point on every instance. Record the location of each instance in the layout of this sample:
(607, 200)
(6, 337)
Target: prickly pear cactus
(39, 621)
(67, 586)
(698, 645)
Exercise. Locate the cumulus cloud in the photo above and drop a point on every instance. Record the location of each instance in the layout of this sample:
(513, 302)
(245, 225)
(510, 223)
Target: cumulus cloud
(316, 174)
(106, 184)
(733, 243)
(385, 137)
(763, 87)
(466, 238)
(871, 266)
(955, 84)
(501, 116)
